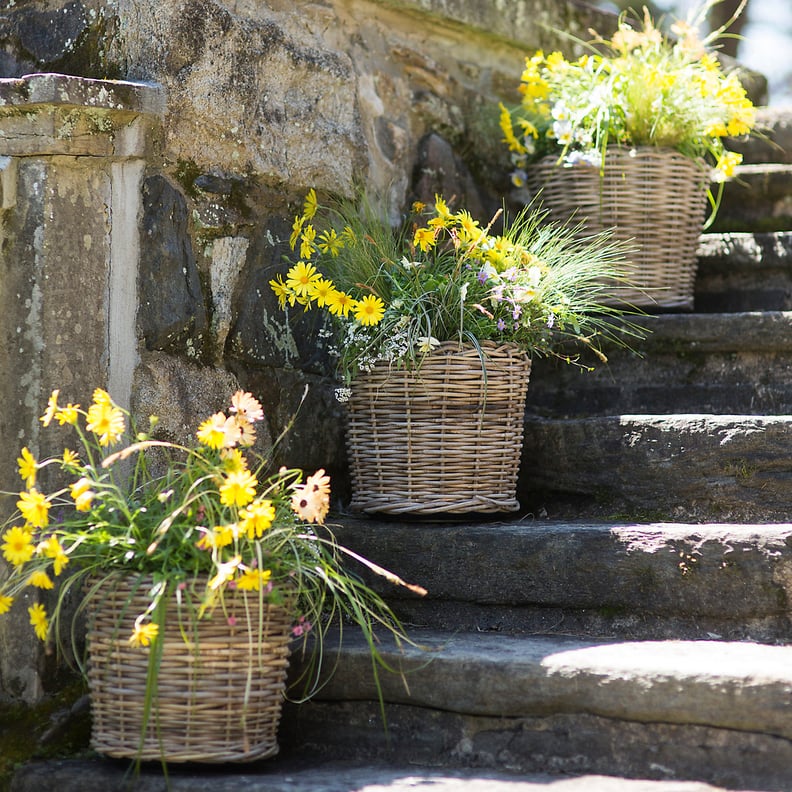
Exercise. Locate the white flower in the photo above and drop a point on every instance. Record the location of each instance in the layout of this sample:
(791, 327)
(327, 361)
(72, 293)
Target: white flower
(426, 344)
(590, 158)
(560, 111)
(343, 394)
(562, 131)
(524, 294)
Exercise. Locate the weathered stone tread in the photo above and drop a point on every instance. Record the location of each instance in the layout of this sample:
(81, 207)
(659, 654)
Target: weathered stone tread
(634, 580)
(683, 467)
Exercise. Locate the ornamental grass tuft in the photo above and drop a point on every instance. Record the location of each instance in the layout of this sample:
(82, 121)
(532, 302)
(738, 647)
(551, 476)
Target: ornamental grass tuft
(394, 293)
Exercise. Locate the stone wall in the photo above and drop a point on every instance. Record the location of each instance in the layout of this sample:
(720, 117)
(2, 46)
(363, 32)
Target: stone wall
(264, 100)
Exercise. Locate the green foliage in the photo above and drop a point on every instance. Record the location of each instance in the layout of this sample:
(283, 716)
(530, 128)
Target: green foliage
(395, 293)
(638, 88)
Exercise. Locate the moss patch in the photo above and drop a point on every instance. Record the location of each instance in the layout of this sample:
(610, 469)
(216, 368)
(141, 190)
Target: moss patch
(57, 727)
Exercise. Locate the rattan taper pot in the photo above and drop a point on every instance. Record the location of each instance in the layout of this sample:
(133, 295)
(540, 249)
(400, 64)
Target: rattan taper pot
(653, 198)
(445, 438)
(219, 683)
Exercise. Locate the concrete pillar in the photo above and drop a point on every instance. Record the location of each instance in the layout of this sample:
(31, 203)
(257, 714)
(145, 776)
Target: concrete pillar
(72, 156)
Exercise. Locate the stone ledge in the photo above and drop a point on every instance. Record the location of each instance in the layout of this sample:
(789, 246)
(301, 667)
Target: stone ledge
(758, 199)
(67, 90)
(696, 467)
(58, 114)
(654, 580)
(723, 252)
(738, 686)
(720, 363)
(306, 774)
(531, 23)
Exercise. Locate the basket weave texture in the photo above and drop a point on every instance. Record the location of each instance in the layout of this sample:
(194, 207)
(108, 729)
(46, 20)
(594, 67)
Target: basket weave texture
(219, 688)
(445, 438)
(653, 197)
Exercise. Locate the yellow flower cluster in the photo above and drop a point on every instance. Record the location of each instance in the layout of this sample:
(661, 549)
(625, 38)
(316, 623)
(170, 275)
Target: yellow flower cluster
(40, 551)
(636, 88)
(306, 286)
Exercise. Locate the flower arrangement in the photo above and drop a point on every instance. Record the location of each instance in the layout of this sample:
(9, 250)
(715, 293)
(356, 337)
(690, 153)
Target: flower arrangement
(197, 521)
(396, 293)
(638, 88)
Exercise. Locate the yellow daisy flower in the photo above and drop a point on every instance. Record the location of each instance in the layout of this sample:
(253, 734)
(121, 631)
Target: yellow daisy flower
(330, 242)
(39, 620)
(219, 536)
(143, 634)
(34, 507)
(297, 228)
(69, 458)
(282, 291)
(425, 237)
(5, 603)
(238, 489)
(27, 467)
(82, 494)
(68, 414)
(300, 277)
(233, 460)
(217, 432)
(52, 405)
(311, 205)
(307, 242)
(508, 131)
(369, 310)
(51, 548)
(105, 419)
(319, 291)
(253, 579)
(40, 579)
(257, 518)
(727, 163)
(339, 303)
(18, 546)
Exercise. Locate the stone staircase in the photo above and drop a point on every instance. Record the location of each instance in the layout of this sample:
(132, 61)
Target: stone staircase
(634, 621)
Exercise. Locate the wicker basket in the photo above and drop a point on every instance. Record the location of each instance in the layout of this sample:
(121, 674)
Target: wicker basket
(446, 438)
(654, 198)
(219, 688)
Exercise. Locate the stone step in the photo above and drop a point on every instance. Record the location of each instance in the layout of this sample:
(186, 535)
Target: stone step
(727, 363)
(772, 138)
(758, 199)
(744, 272)
(713, 711)
(689, 467)
(638, 581)
(303, 774)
